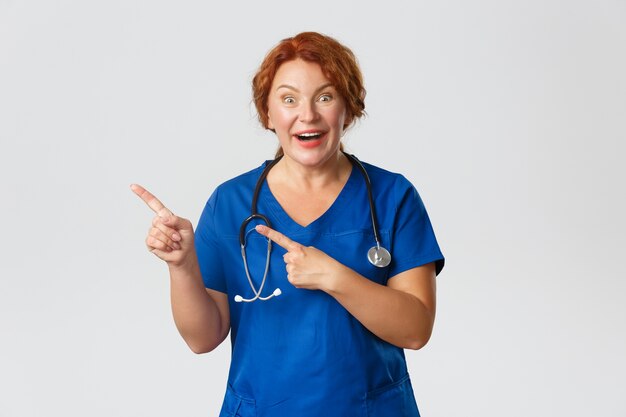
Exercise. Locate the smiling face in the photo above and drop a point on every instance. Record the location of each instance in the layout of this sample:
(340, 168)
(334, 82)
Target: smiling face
(307, 113)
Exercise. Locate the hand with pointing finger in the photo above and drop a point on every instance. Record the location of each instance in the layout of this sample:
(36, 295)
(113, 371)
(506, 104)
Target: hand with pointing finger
(307, 267)
(170, 237)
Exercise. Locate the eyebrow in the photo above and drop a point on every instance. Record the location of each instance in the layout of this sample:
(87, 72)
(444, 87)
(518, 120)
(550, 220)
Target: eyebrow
(297, 91)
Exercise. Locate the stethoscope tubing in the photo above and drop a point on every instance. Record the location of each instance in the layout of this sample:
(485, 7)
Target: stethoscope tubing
(370, 198)
(378, 256)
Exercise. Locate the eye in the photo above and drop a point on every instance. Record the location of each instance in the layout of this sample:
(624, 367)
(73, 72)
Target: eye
(289, 100)
(325, 98)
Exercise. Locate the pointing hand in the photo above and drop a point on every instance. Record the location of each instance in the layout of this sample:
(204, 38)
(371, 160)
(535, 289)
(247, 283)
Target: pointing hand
(170, 237)
(307, 267)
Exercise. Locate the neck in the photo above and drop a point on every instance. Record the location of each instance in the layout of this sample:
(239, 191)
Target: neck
(303, 177)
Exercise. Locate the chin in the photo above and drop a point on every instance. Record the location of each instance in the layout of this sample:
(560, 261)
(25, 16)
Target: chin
(311, 158)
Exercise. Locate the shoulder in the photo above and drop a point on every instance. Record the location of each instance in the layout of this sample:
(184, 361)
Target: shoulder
(229, 203)
(387, 180)
(235, 187)
(246, 179)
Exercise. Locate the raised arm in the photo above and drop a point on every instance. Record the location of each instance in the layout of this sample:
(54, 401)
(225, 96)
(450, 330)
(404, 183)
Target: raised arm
(201, 315)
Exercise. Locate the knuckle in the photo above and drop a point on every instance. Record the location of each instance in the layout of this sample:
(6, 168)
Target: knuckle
(156, 234)
(166, 241)
(158, 244)
(165, 229)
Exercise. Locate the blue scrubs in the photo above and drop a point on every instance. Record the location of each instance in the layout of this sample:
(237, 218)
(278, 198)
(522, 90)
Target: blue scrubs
(301, 353)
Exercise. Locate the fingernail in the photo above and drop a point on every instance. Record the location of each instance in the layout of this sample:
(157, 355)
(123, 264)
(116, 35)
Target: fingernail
(259, 227)
(176, 236)
(176, 245)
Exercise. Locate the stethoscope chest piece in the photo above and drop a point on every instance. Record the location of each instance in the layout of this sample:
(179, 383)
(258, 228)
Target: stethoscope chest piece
(379, 256)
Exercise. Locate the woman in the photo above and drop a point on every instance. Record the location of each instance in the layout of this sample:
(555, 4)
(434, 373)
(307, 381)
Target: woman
(330, 341)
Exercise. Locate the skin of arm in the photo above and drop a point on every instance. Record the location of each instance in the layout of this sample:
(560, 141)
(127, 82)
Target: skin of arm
(401, 313)
(201, 314)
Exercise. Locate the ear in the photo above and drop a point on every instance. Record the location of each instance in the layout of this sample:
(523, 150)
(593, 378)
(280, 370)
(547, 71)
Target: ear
(270, 125)
(348, 121)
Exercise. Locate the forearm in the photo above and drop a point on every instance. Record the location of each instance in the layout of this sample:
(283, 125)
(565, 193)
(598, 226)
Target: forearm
(402, 314)
(195, 313)
(393, 315)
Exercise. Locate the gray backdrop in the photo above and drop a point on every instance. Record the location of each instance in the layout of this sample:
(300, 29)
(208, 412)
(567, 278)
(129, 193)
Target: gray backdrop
(509, 117)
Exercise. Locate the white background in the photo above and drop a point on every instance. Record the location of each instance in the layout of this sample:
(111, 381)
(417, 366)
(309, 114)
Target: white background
(509, 117)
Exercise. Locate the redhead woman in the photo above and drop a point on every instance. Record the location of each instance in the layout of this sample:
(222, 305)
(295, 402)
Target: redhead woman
(321, 267)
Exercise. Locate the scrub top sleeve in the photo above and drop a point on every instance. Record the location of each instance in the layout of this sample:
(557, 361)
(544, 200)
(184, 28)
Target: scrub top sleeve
(414, 241)
(208, 248)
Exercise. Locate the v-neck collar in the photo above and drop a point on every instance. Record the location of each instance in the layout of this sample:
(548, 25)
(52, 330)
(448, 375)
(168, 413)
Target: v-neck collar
(287, 225)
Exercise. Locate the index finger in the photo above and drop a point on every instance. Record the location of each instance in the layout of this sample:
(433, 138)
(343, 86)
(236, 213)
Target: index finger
(277, 237)
(148, 198)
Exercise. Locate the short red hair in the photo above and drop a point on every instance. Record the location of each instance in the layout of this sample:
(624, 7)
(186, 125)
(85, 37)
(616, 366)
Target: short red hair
(338, 64)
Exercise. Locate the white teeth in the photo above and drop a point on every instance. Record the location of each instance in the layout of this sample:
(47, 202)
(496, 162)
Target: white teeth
(308, 135)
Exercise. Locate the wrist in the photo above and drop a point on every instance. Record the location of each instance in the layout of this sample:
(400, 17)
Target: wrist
(184, 266)
(338, 279)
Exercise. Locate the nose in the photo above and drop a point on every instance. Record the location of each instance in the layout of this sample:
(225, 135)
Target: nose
(308, 112)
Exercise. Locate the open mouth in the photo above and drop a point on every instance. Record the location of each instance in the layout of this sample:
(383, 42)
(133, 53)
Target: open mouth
(309, 136)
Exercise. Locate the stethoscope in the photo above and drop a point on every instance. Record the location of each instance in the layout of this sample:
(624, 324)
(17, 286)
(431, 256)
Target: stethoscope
(377, 255)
